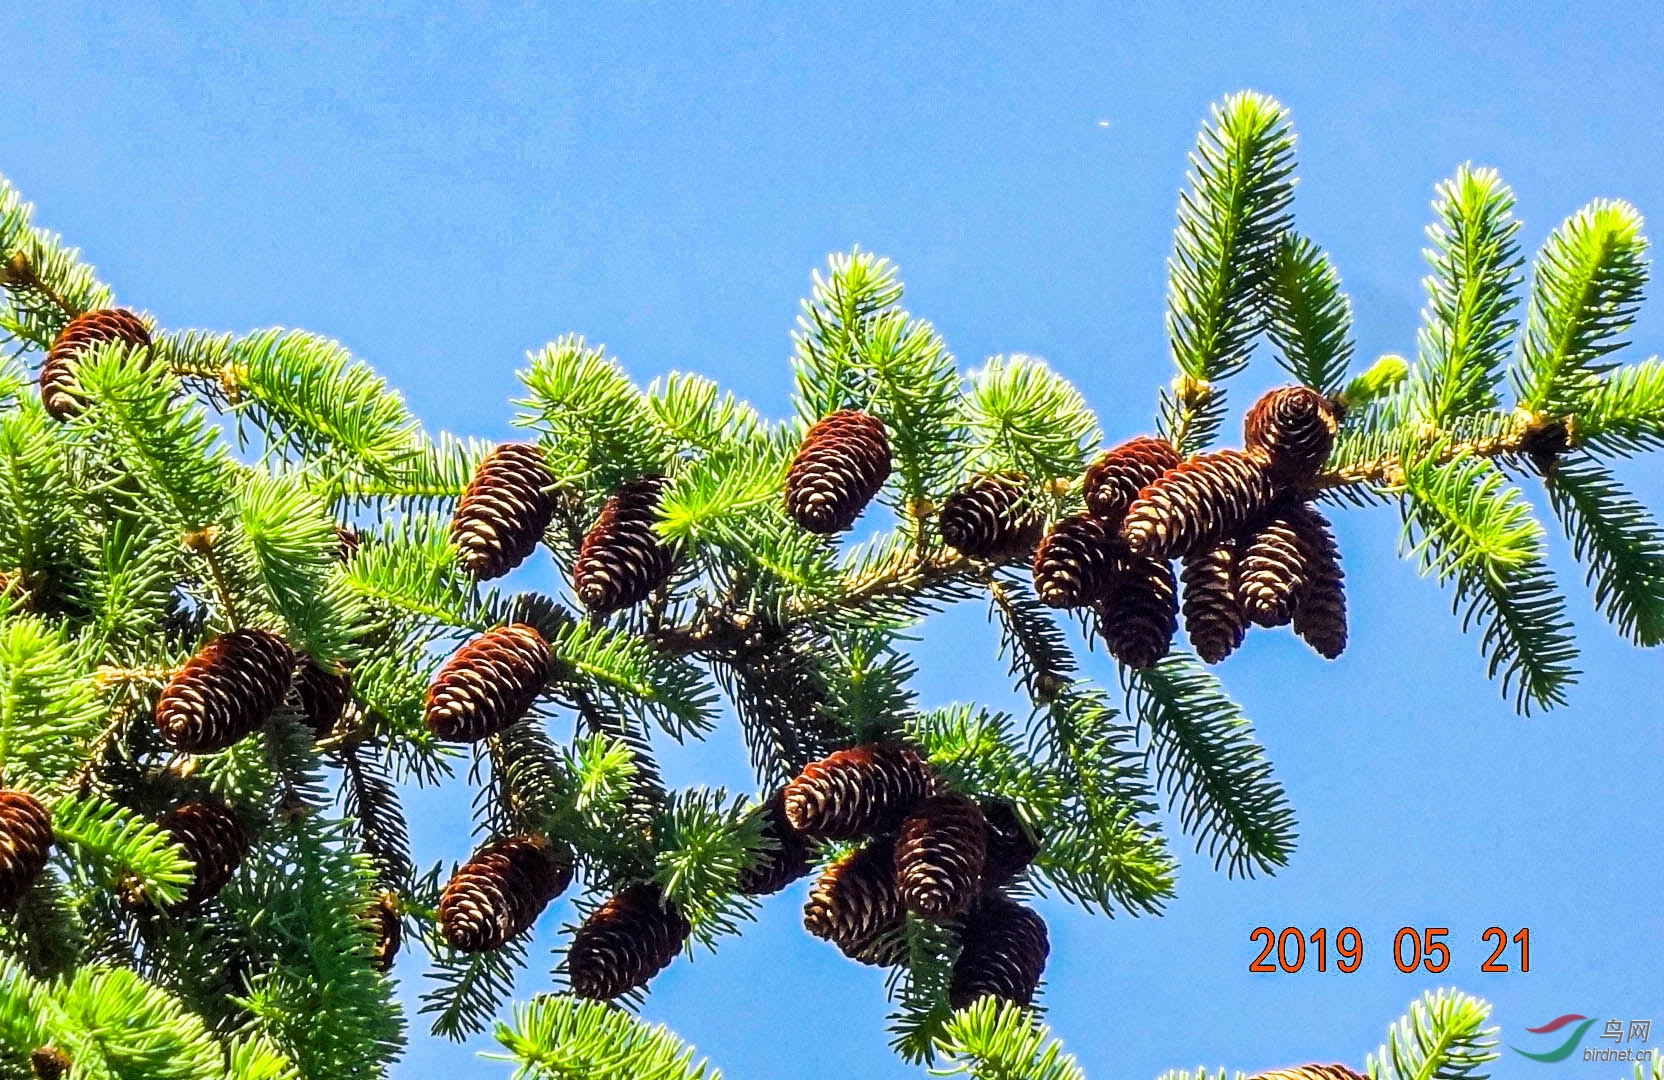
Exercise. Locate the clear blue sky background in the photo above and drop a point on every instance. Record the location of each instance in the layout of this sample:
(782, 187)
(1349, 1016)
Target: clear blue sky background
(445, 188)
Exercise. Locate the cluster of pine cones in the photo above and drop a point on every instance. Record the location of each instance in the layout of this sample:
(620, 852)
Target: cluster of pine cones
(1254, 549)
(925, 850)
(504, 886)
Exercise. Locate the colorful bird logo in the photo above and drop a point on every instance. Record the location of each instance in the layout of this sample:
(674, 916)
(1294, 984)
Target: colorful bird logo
(1564, 1050)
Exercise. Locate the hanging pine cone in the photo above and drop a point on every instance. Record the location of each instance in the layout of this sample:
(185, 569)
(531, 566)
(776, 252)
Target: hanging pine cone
(1320, 610)
(1075, 561)
(389, 931)
(779, 866)
(1311, 1072)
(856, 905)
(503, 513)
(323, 696)
(1003, 952)
(500, 891)
(1294, 429)
(1010, 848)
(941, 853)
(25, 843)
(857, 792)
(989, 516)
(621, 560)
(1213, 615)
(49, 1063)
(628, 940)
(1275, 567)
(1119, 474)
(840, 465)
(58, 390)
(225, 691)
(1197, 504)
(215, 842)
(1139, 612)
(488, 684)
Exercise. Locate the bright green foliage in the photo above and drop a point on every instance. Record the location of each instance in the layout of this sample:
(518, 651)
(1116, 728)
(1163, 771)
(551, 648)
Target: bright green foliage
(1311, 318)
(561, 1038)
(116, 845)
(993, 1040)
(203, 485)
(1466, 326)
(1232, 217)
(1442, 1037)
(48, 707)
(1587, 289)
(1470, 527)
(1619, 540)
(1023, 417)
(1205, 753)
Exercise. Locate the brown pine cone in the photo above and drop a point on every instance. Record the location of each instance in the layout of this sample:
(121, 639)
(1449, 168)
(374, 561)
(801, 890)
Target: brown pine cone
(58, 390)
(215, 842)
(841, 464)
(779, 866)
(1139, 612)
(1311, 1072)
(25, 843)
(856, 905)
(49, 1063)
(1197, 504)
(1213, 615)
(989, 516)
(857, 792)
(1075, 561)
(1010, 847)
(621, 560)
(1294, 429)
(1320, 610)
(941, 853)
(389, 928)
(500, 891)
(488, 684)
(225, 691)
(1274, 567)
(1119, 474)
(628, 940)
(1003, 952)
(323, 696)
(503, 513)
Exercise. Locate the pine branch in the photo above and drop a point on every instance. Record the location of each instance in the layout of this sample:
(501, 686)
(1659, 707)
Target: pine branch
(1311, 317)
(920, 990)
(1470, 528)
(598, 428)
(48, 704)
(47, 282)
(1442, 1037)
(1616, 537)
(1023, 417)
(1623, 413)
(1231, 218)
(556, 1037)
(1205, 755)
(704, 843)
(120, 848)
(1467, 325)
(1586, 290)
(995, 1040)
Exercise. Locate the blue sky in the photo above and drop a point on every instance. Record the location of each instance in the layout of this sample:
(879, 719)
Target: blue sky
(445, 188)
